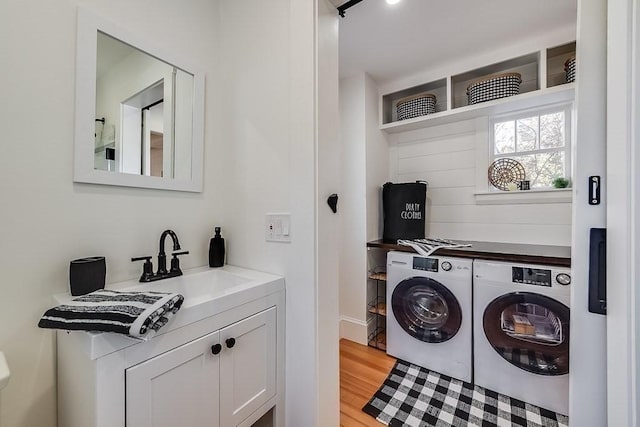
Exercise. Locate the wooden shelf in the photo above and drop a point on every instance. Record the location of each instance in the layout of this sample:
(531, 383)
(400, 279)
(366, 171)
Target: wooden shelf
(508, 252)
(378, 276)
(378, 339)
(377, 305)
(380, 308)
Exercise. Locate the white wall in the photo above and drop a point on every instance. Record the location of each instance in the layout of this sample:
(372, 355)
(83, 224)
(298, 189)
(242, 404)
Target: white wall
(328, 223)
(377, 165)
(46, 220)
(128, 146)
(365, 167)
(445, 156)
(266, 124)
(353, 205)
(154, 122)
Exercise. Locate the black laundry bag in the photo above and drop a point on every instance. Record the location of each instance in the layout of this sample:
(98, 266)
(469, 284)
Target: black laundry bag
(404, 209)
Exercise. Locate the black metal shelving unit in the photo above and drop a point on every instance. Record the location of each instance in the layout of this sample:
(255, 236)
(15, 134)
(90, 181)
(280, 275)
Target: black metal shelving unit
(377, 307)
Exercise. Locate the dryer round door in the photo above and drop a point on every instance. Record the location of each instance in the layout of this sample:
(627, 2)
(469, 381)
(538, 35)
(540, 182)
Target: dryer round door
(426, 309)
(530, 331)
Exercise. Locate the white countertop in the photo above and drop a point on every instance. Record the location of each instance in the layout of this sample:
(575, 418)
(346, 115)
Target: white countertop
(207, 292)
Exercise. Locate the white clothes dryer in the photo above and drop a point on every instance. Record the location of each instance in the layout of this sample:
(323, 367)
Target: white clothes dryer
(429, 312)
(521, 332)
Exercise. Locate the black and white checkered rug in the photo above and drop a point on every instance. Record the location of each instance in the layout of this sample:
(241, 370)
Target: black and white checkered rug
(417, 397)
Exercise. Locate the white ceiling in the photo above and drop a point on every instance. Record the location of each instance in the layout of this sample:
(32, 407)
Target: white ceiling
(393, 41)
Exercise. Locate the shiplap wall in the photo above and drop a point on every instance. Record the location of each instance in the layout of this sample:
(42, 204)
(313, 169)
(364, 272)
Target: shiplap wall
(445, 156)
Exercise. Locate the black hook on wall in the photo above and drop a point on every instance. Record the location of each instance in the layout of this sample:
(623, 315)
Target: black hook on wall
(332, 201)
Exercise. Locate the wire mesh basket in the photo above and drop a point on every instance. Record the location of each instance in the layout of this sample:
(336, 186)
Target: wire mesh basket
(494, 87)
(416, 106)
(570, 69)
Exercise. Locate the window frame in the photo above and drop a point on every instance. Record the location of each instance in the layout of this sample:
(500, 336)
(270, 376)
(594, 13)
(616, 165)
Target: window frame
(532, 112)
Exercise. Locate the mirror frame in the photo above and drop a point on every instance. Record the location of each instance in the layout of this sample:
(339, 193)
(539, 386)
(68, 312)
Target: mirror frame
(85, 106)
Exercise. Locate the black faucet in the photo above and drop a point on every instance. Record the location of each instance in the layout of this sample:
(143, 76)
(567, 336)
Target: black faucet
(162, 273)
(162, 257)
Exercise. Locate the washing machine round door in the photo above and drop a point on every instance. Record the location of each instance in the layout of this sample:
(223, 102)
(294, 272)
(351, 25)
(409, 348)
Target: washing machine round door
(530, 331)
(426, 309)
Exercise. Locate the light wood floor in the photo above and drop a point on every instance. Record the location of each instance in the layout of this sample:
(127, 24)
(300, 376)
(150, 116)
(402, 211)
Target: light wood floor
(362, 371)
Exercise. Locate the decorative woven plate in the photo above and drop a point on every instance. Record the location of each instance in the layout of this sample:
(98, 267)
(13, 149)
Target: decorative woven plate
(503, 172)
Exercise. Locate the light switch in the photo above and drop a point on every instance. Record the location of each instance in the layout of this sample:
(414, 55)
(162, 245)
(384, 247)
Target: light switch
(278, 227)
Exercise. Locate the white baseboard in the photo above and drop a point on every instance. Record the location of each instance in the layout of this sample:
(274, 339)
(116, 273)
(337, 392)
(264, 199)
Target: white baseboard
(353, 329)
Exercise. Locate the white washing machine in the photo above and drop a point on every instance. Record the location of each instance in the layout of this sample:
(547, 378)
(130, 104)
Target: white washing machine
(429, 312)
(521, 332)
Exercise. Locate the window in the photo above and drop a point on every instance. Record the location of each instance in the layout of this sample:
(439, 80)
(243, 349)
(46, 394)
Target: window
(539, 140)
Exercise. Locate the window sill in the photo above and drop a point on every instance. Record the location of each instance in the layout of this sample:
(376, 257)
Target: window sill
(555, 195)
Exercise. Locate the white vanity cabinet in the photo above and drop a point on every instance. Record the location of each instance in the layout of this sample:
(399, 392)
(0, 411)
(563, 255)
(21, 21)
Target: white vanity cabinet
(223, 370)
(179, 387)
(217, 380)
(247, 366)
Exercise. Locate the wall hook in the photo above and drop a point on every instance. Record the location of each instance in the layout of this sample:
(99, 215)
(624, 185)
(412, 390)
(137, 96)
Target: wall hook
(332, 201)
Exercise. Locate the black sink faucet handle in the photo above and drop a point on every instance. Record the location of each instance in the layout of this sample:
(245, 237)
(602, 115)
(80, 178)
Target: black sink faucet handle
(175, 262)
(147, 268)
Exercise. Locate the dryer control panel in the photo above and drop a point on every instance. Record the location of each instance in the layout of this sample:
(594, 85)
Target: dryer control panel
(531, 276)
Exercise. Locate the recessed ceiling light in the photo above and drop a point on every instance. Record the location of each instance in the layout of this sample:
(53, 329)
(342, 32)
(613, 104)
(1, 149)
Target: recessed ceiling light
(393, 1)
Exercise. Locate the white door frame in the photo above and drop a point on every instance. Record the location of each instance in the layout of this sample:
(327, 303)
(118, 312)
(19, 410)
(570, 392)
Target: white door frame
(588, 365)
(623, 209)
(328, 181)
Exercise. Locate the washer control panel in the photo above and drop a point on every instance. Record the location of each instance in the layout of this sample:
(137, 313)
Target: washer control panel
(446, 265)
(425, 264)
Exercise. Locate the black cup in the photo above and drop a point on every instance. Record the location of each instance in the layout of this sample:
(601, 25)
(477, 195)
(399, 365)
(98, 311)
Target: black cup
(87, 275)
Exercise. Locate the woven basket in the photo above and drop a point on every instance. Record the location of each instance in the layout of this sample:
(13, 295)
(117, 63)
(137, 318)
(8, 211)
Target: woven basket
(570, 69)
(416, 106)
(494, 87)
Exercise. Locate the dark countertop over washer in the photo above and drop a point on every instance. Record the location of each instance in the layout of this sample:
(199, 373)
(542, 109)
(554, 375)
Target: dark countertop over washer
(559, 256)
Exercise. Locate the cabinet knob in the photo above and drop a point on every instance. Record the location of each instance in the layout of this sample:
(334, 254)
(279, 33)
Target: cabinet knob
(216, 349)
(230, 342)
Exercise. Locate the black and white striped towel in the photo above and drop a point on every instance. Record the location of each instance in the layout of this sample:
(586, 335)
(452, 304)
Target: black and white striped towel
(137, 314)
(426, 247)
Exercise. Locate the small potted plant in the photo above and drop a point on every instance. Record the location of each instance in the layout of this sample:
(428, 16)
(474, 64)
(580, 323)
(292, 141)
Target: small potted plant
(560, 182)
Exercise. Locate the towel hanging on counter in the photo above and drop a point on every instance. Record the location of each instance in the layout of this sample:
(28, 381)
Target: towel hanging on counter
(137, 314)
(426, 247)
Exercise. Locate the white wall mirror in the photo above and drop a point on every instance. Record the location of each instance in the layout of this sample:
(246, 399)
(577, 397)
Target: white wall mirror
(139, 111)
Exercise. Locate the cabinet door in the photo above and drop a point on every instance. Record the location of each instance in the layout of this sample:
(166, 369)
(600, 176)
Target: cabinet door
(247, 366)
(177, 388)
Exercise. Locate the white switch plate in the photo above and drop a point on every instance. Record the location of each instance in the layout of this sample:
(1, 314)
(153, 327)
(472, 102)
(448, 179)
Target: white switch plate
(278, 227)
